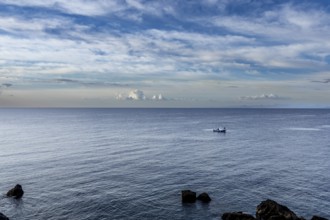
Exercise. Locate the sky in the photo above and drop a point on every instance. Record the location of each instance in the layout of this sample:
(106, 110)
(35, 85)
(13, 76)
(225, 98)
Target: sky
(165, 53)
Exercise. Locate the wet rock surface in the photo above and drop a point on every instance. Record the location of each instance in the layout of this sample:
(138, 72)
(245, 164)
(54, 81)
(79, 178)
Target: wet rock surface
(3, 217)
(188, 196)
(204, 197)
(271, 210)
(16, 192)
(237, 216)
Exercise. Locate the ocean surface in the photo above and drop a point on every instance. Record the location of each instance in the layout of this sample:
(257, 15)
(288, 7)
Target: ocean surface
(133, 163)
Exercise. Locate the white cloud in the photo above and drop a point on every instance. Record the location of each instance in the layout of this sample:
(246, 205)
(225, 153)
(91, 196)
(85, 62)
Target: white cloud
(158, 97)
(80, 7)
(139, 95)
(135, 4)
(91, 7)
(287, 23)
(260, 97)
(304, 19)
(120, 97)
(166, 53)
(100, 7)
(136, 95)
(34, 27)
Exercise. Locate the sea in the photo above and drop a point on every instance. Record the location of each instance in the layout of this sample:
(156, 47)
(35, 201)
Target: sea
(133, 163)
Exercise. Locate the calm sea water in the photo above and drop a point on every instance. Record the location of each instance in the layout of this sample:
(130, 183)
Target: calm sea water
(133, 163)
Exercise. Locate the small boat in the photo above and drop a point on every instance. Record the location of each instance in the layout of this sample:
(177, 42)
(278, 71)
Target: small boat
(220, 130)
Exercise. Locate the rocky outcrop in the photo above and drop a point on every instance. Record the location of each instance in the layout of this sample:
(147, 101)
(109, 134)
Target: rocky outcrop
(268, 210)
(271, 210)
(16, 192)
(188, 196)
(315, 217)
(3, 217)
(204, 197)
(237, 216)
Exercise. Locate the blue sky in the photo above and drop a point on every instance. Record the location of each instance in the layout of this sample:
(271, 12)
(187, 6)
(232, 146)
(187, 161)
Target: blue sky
(166, 53)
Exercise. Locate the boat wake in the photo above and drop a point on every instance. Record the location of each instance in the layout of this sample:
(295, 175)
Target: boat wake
(301, 129)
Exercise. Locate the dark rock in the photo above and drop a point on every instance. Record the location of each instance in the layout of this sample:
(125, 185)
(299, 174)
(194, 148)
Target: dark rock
(237, 216)
(3, 217)
(271, 210)
(315, 217)
(204, 197)
(16, 192)
(188, 196)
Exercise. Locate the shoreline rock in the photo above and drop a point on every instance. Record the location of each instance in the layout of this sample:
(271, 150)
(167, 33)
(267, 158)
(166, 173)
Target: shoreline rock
(268, 210)
(271, 210)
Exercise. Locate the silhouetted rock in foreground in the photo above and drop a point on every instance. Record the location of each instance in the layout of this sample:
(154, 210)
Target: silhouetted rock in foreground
(16, 192)
(188, 196)
(271, 210)
(237, 216)
(204, 197)
(315, 217)
(3, 217)
(268, 210)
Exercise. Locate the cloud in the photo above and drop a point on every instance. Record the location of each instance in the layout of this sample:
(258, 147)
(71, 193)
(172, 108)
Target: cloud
(6, 85)
(322, 81)
(98, 52)
(294, 35)
(66, 81)
(124, 9)
(79, 7)
(120, 97)
(160, 44)
(59, 44)
(261, 97)
(300, 22)
(158, 97)
(138, 95)
(88, 83)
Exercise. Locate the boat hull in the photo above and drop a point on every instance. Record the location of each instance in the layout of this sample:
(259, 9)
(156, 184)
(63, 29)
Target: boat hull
(219, 131)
